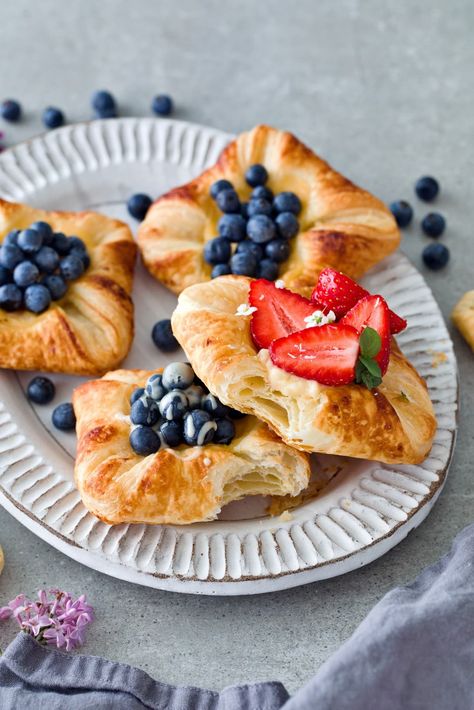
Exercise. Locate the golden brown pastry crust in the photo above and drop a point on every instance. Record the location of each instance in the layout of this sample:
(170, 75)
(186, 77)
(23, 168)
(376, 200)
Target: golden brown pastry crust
(341, 225)
(463, 317)
(394, 423)
(175, 486)
(90, 330)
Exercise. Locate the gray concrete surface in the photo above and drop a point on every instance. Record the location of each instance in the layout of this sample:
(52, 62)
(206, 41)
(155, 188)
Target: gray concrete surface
(385, 91)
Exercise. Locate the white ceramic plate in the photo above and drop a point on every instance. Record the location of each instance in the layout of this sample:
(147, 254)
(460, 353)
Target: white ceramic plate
(366, 509)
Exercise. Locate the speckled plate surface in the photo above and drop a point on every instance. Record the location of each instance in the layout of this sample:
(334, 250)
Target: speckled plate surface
(362, 512)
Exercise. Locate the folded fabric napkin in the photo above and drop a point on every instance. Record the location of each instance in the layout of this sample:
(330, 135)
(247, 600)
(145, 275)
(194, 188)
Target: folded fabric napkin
(415, 650)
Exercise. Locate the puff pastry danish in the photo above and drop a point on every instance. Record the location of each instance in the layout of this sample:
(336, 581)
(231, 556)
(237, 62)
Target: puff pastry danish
(463, 317)
(90, 330)
(341, 225)
(182, 485)
(393, 423)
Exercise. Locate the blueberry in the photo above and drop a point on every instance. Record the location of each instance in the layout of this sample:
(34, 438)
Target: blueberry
(144, 411)
(154, 387)
(10, 110)
(174, 405)
(63, 417)
(267, 269)
(225, 431)
(287, 225)
(10, 297)
(259, 206)
(41, 390)
(195, 393)
(218, 186)
(262, 192)
(25, 274)
(243, 264)
(277, 250)
(220, 270)
(232, 227)
(199, 428)
(402, 211)
(5, 276)
(103, 103)
(214, 406)
(10, 256)
(47, 260)
(107, 113)
(228, 201)
(37, 298)
(162, 105)
(234, 414)
(244, 210)
(433, 224)
(261, 229)
(76, 244)
(256, 175)
(136, 394)
(56, 286)
(217, 250)
(53, 117)
(178, 375)
(172, 433)
(250, 247)
(12, 237)
(44, 230)
(427, 188)
(71, 267)
(435, 256)
(138, 205)
(82, 255)
(60, 243)
(30, 241)
(287, 202)
(144, 441)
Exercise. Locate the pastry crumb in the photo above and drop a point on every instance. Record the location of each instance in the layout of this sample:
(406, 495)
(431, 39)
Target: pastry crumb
(245, 310)
(279, 283)
(438, 358)
(286, 516)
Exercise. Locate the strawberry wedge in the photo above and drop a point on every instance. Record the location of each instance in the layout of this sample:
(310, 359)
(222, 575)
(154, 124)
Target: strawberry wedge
(326, 353)
(372, 311)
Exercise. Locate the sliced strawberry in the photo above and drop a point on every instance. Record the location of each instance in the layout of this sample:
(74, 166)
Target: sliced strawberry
(340, 293)
(325, 353)
(372, 311)
(279, 312)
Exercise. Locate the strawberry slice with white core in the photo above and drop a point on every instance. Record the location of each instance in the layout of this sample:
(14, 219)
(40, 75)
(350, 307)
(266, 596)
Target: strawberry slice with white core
(279, 312)
(338, 292)
(326, 353)
(372, 311)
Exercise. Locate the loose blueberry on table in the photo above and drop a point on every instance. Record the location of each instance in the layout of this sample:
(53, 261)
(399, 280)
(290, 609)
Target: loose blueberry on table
(427, 188)
(163, 337)
(433, 224)
(260, 229)
(63, 417)
(402, 211)
(104, 104)
(175, 409)
(10, 110)
(138, 205)
(53, 117)
(36, 266)
(41, 390)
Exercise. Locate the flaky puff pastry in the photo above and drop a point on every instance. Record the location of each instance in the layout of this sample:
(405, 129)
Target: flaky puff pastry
(183, 485)
(463, 317)
(341, 225)
(90, 330)
(394, 423)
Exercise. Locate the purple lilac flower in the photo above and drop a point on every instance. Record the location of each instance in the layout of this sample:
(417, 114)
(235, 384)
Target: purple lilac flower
(56, 619)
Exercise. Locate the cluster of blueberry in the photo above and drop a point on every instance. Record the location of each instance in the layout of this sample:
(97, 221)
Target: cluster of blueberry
(176, 408)
(261, 228)
(36, 265)
(433, 224)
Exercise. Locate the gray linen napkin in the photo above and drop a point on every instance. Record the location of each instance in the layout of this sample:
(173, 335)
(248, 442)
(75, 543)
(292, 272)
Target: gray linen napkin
(414, 651)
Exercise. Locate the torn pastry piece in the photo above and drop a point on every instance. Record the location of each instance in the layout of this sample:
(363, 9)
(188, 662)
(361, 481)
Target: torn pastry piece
(282, 210)
(175, 455)
(463, 317)
(65, 298)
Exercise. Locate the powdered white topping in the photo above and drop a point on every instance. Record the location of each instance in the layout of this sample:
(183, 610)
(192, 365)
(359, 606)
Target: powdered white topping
(279, 283)
(319, 318)
(208, 426)
(206, 461)
(245, 310)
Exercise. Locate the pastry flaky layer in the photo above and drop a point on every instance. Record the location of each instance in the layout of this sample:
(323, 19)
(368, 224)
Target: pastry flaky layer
(394, 423)
(341, 225)
(90, 330)
(182, 485)
(463, 317)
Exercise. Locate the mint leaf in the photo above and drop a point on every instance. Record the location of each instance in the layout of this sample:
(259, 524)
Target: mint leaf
(370, 381)
(370, 342)
(371, 365)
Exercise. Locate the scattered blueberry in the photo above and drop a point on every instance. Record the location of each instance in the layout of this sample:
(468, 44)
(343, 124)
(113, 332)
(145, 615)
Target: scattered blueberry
(214, 406)
(10, 110)
(163, 337)
(287, 225)
(41, 390)
(10, 256)
(25, 274)
(64, 417)
(218, 186)
(56, 286)
(278, 250)
(433, 224)
(250, 247)
(136, 394)
(47, 260)
(267, 269)
(173, 405)
(225, 431)
(263, 193)
(71, 267)
(220, 270)
(37, 298)
(228, 201)
(217, 250)
(232, 227)
(60, 243)
(5, 276)
(427, 188)
(435, 256)
(287, 202)
(144, 411)
(162, 105)
(402, 211)
(259, 206)
(199, 428)
(256, 175)
(12, 237)
(261, 229)
(194, 394)
(172, 433)
(53, 117)
(11, 297)
(144, 441)
(138, 205)
(30, 241)
(243, 264)
(178, 375)
(104, 104)
(154, 387)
